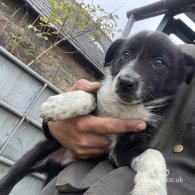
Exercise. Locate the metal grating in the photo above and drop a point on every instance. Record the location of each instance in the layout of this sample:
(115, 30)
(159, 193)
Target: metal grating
(22, 93)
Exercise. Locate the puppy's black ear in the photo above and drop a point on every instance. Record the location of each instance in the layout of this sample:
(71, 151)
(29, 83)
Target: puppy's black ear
(112, 51)
(189, 63)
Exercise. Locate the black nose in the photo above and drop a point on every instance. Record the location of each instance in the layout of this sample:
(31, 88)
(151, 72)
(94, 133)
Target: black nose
(126, 83)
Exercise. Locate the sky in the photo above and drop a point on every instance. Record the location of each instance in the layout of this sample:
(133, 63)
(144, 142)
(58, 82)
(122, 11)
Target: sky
(122, 6)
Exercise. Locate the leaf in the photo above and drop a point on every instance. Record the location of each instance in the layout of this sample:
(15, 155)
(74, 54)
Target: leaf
(3, 5)
(58, 21)
(56, 32)
(32, 28)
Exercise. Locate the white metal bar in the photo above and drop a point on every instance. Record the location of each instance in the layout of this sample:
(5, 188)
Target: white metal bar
(24, 117)
(128, 27)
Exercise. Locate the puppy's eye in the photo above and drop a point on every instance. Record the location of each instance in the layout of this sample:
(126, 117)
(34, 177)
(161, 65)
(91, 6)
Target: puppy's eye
(126, 55)
(159, 63)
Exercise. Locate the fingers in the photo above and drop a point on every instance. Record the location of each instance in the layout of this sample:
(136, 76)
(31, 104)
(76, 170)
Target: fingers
(85, 85)
(89, 146)
(90, 153)
(77, 139)
(92, 141)
(106, 126)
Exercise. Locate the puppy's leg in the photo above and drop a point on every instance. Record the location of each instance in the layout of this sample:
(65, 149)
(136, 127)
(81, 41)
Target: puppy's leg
(28, 164)
(151, 173)
(67, 105)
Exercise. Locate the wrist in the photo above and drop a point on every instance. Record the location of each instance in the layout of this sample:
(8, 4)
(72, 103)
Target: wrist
(46, 130)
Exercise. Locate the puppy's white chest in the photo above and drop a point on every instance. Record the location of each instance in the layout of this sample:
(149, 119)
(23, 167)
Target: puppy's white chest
(113, 108)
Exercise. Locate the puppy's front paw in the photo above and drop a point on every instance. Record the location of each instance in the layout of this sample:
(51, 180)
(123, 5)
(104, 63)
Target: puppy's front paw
(151, 174)
(148, 186)
(67, 105)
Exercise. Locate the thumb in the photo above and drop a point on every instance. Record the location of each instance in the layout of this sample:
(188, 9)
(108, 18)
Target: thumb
(86, 86)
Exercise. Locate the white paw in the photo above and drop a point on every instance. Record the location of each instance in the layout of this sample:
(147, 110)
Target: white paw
(148, 186)
(67, 105)
(151, 174)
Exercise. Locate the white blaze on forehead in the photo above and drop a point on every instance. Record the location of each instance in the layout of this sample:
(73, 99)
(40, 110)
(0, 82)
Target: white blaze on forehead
(129, 70)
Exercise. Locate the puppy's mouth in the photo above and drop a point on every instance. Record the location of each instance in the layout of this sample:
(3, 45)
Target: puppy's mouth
(125, 98)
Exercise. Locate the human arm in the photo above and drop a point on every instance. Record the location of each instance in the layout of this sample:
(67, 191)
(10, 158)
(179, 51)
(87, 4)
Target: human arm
(86, 136)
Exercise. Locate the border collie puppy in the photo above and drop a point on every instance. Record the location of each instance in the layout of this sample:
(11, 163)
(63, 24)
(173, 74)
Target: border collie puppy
(143, 77)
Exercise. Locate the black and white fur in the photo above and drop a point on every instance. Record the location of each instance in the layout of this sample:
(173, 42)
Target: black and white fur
(142, 81)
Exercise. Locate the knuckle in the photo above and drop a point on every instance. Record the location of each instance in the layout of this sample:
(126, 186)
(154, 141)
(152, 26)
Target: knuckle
(78, 125)
(108, 126)
(79, 152)
(83, 142)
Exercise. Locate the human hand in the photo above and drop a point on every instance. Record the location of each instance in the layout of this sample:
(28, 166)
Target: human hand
(86, 136)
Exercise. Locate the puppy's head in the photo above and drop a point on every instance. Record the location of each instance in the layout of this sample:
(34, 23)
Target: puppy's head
(147, 66)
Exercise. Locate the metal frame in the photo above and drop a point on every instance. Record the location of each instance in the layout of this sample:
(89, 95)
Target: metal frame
(168, 24)
(23, 116)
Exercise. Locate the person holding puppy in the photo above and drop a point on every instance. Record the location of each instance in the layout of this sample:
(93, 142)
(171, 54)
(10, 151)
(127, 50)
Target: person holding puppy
(86, 137)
